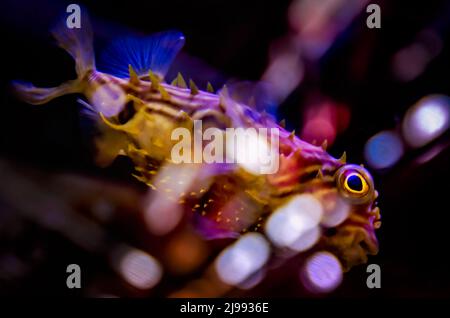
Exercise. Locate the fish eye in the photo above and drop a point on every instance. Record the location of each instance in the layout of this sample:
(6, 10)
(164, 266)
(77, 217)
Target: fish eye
(354, 183)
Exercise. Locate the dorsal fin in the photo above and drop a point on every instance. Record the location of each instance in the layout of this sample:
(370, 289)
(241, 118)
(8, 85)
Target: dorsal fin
(144, 53)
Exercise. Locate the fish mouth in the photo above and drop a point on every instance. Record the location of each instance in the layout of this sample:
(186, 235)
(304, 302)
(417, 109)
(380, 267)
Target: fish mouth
(373, 224)
(376, 217)
(353, 245)
(364, 235)
(374, 213)
(355, 239)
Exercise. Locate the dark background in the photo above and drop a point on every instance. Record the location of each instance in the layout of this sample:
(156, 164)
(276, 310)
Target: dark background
(234, 37)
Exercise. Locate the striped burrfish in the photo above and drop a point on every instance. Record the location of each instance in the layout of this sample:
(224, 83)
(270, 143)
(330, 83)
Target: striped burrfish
(312, 202)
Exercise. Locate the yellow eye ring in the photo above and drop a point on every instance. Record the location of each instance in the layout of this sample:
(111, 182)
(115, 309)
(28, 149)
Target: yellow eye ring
(354, 183)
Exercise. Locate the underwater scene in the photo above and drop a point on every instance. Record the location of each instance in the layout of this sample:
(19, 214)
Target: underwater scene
(239, 150)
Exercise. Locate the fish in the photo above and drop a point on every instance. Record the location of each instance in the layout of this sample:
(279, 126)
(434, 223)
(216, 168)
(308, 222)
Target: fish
(136, 110)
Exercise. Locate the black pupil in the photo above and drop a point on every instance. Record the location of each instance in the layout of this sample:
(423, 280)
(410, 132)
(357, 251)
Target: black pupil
(355, 183)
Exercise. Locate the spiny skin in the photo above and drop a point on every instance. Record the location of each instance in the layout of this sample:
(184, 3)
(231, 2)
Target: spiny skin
(236, 201)
(304, 168)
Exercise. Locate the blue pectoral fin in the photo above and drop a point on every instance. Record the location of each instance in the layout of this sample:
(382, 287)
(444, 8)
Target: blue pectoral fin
(144, 53)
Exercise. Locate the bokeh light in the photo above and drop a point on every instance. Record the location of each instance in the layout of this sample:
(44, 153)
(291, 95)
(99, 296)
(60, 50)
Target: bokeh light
(336, 210)
(162, 210)
(318, 129)
(426, 120)
(323, 120)
(322, 272)
(137, 267)
(253, 151)
(293, 224)
(383, 150)
(109, 99)
(318, 23)
(242, 259)
(285, 70)
(185, 252)
(412, 60)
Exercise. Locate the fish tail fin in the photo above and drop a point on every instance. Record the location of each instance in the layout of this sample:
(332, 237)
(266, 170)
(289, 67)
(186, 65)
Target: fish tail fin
(41, 95)
(78, 42)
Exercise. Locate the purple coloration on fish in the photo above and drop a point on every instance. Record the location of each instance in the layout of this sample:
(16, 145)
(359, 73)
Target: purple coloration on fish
(137, 111)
